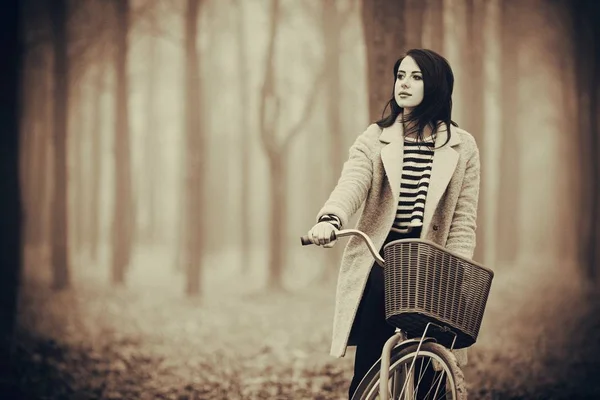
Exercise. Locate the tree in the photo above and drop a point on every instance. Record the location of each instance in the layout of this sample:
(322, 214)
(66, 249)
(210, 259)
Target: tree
(59, 226)
(277, 148)
(151, 153)
(433, 26)
(332, 22)
(87, 44)
(585, 14)
(96, 160)
(195, 155)
(385, 41)
(246, 130)
(10, 201)
(123, 217)
(508, 243)
(472, 99)
(78, 179)
(36, 148)
(492, 134)
(412, 14)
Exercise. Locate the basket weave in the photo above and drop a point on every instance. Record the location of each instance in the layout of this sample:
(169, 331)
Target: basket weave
(425, 283)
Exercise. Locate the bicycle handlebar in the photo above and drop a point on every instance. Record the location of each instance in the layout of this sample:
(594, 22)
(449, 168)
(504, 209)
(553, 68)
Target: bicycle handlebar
(351, 232)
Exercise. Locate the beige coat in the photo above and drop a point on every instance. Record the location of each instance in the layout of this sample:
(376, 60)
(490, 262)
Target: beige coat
(372, 176)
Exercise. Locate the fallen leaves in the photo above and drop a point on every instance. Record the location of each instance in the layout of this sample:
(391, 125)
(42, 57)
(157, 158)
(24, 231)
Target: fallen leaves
(98, 342)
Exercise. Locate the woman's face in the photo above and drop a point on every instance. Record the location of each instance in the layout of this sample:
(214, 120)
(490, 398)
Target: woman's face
(408, 90)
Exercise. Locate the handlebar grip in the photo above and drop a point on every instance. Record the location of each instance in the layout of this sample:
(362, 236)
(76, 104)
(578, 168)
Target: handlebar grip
(306, 240)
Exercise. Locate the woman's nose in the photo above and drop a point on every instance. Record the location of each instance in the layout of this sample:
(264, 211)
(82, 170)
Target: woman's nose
(404, 85)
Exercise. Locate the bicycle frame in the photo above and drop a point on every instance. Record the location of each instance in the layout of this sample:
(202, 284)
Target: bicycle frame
(400, 337)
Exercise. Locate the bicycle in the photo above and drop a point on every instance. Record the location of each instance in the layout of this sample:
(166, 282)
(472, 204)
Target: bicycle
(431, 293)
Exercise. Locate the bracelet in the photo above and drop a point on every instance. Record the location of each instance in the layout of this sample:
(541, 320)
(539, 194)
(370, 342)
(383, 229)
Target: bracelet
(332, 219)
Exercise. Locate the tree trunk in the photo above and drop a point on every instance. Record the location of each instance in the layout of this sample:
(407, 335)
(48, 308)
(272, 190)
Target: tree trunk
(332, 34)
(246, 132)
(10, 201)
(278, 197)
(277, 150)
(491, 129)
(96, 161)
(60, 255)
(508, 243)
(455, 51)
(413, 17)
(469, 88)
(123, 221)
(433, 26)
(79, 187)
(195, 166)
(594, 247)
(152, 150)
(46, 172)
(587, 56)
(32, 145)
(385, 41)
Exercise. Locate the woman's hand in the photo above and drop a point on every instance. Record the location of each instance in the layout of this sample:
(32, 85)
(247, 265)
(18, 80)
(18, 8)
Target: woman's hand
(320, 234)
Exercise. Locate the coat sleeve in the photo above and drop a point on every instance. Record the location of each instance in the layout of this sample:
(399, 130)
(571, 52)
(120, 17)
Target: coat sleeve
(355, 180)
(461, 238)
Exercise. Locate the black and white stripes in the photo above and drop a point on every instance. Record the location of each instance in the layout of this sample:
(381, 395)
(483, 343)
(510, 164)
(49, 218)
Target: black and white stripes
(416, 172)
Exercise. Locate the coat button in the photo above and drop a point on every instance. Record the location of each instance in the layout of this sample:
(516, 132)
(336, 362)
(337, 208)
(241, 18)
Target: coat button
(435, 227)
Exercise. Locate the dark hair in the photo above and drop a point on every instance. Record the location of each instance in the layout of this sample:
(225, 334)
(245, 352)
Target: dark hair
(436, 106)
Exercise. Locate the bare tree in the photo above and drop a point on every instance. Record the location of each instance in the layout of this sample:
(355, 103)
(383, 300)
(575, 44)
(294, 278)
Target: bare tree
(152, 151)
(470, 89)
(385, 40)
(10, 201)
(35, 147)
(332, 21)
(96, 159)
(433, 26)
(456, 51)
(412, 16)
(195, 155)
(246, 129)
(585, 14)
(508, 243)
(78, 185)
(491, 129)
(123, 218)
(60, 255)
(277, 147)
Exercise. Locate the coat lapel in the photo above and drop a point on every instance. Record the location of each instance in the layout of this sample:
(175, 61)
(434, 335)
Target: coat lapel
(445, 160)
(392, 155)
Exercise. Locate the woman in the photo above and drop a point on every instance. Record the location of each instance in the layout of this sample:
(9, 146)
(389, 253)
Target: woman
(417, 174)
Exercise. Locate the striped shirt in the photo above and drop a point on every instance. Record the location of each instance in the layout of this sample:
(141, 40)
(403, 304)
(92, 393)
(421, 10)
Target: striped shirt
(416, 171)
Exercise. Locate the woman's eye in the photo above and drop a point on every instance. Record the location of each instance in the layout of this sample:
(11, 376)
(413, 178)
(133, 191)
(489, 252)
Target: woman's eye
(400, 77)
(417, 77)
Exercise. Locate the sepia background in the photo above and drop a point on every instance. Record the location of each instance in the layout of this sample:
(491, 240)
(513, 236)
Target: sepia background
(172, 153)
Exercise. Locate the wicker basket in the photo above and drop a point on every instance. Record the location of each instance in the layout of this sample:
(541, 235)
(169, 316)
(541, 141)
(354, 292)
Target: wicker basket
(425, 283)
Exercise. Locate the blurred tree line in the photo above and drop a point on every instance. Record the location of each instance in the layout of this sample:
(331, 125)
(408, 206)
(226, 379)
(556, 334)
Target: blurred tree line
(208, 127)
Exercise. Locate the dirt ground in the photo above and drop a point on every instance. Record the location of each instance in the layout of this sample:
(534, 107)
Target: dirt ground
(539, 340)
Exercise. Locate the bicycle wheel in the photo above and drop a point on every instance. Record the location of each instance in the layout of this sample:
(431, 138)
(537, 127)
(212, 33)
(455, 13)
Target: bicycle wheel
(434, 364)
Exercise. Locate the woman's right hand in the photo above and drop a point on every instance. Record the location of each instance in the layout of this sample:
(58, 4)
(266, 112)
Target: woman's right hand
(320, 234)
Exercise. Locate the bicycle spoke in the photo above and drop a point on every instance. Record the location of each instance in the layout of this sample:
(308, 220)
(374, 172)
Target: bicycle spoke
(405, 375)
(396, 380)
(436, 383)
(406, 378)
(437, 386)
(421, 375)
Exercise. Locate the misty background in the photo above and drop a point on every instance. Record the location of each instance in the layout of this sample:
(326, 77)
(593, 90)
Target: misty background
(173, 152)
